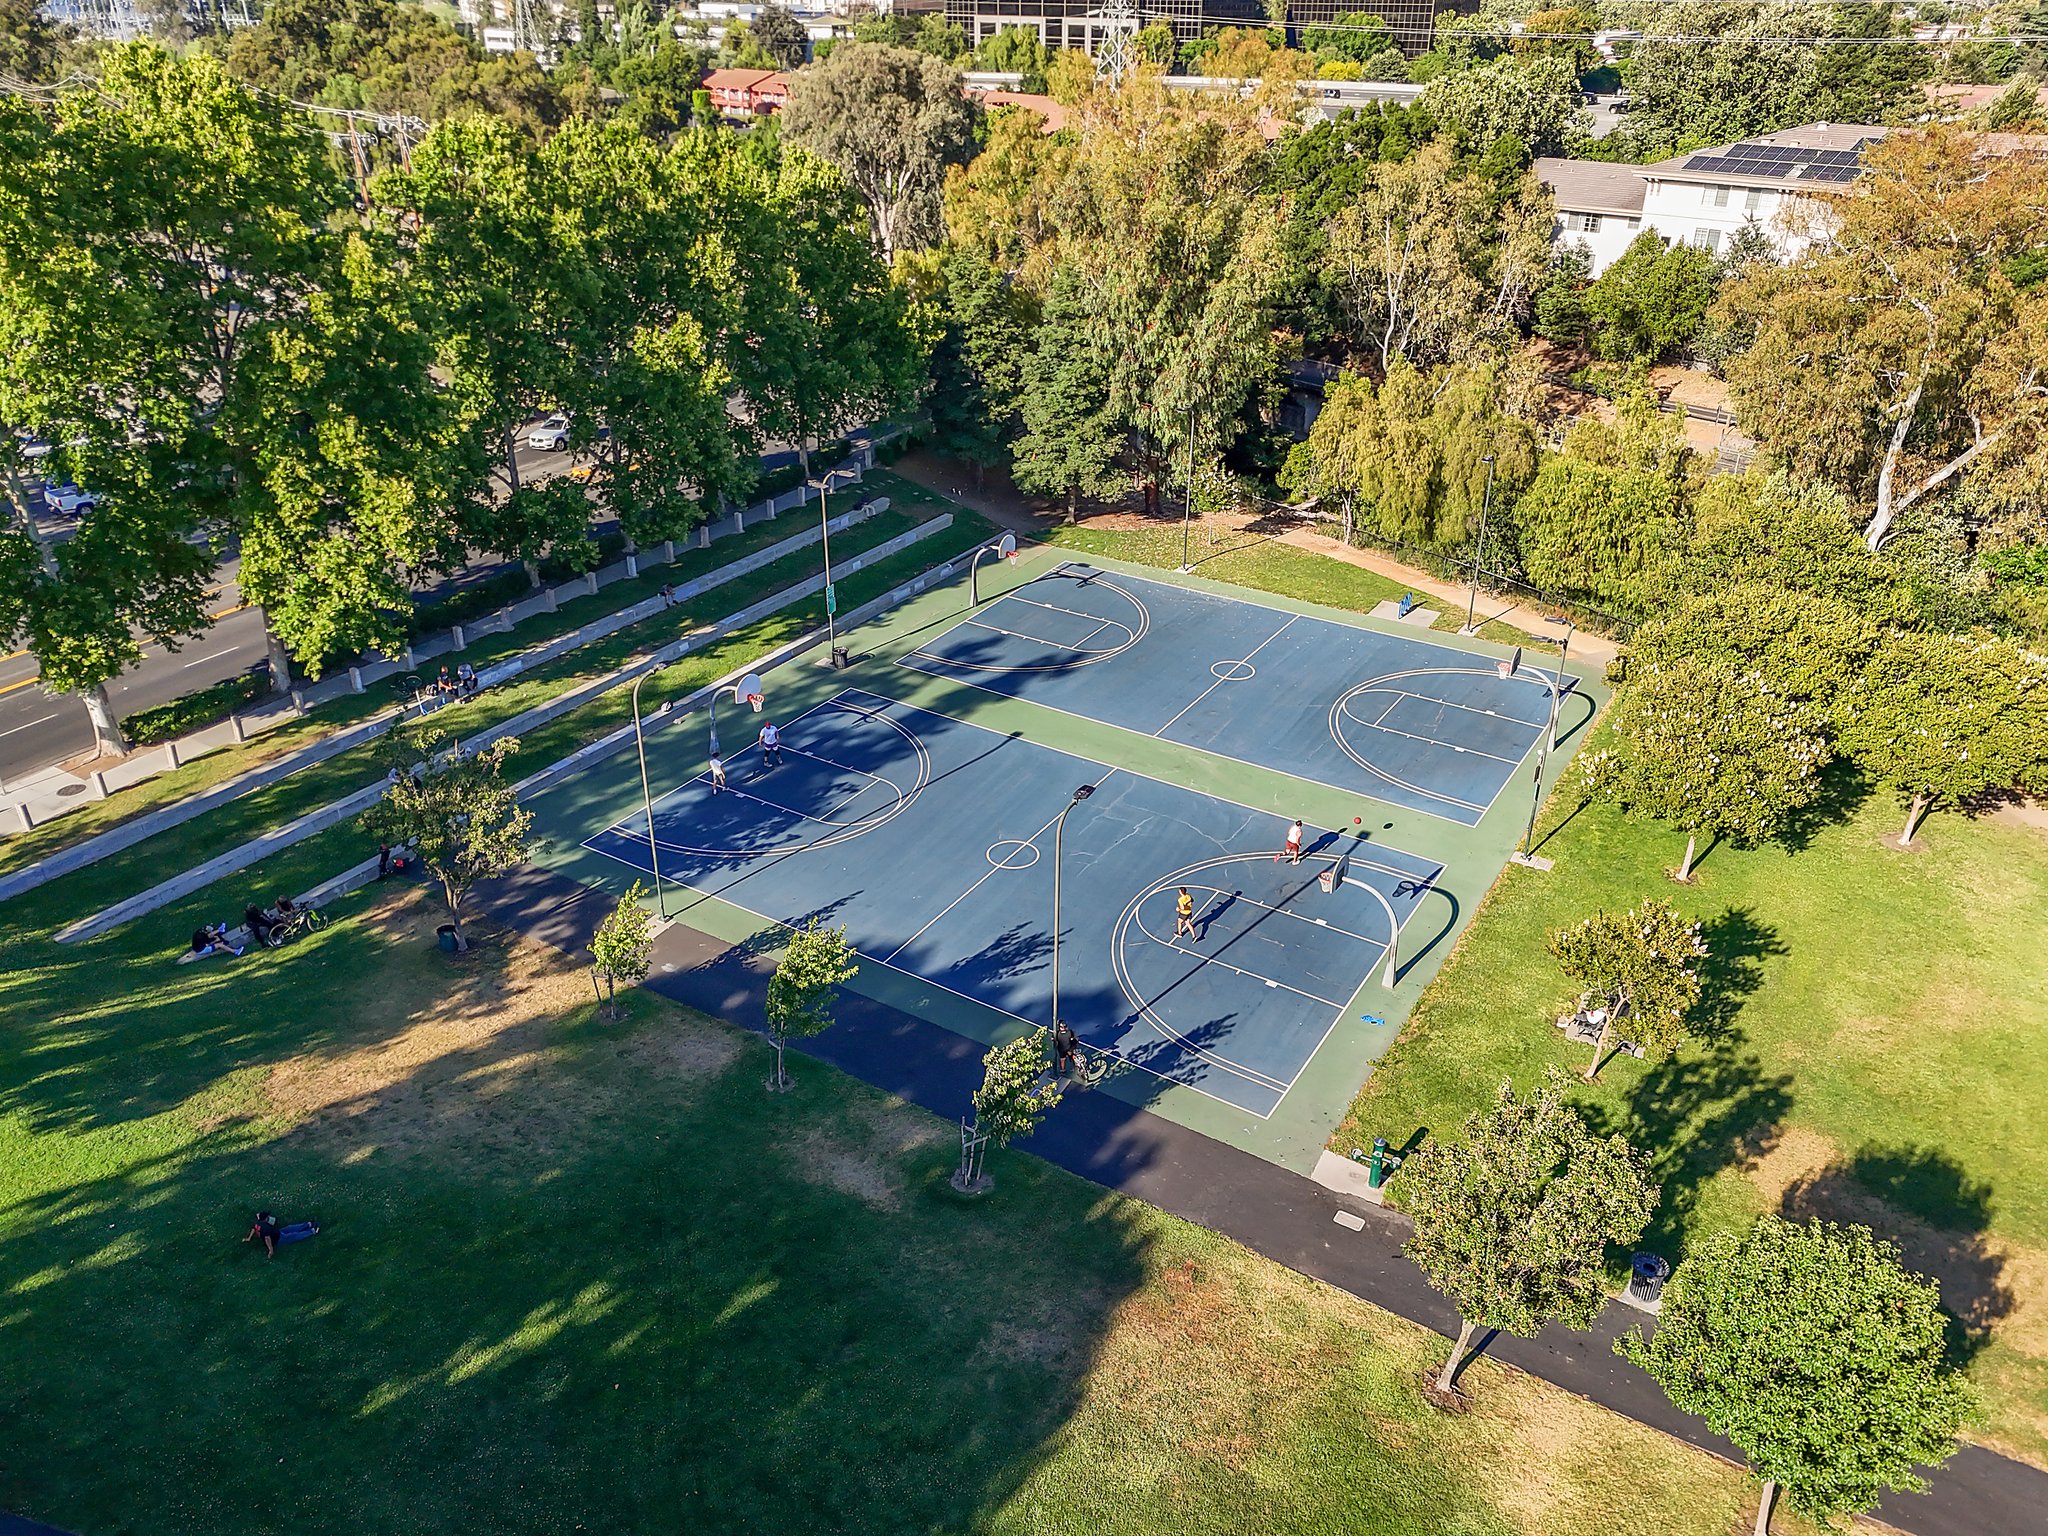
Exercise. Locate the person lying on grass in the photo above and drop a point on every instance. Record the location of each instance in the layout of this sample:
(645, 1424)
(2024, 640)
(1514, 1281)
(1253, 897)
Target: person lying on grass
(265, 1226)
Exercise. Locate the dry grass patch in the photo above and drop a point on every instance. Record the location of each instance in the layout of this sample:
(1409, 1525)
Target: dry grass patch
(496, 1054)
(867, 1152)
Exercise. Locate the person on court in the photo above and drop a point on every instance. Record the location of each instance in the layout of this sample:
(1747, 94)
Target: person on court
(771, 746)
(1293, 849)
(717, 773)
(1184, 915)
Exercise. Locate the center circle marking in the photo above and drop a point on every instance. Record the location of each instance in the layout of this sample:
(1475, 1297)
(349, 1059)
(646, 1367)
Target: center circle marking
(1003, 854)
(1233, 671)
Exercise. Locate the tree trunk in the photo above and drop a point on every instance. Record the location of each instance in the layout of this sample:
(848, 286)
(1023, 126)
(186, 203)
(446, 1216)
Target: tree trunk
(449, 895)
(1448, 1377)
(1692, 840)
(1600, 1045)
(1764, 1501)
(781, 1077)
(532, 569)
(1348, 526)
(105, 727)
(1913, 814)
(276, 659)
(1880, 523)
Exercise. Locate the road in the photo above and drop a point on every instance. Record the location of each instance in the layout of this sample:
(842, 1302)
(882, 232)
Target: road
(38, 729)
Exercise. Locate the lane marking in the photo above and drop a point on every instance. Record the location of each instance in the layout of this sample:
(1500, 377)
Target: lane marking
(39, 719)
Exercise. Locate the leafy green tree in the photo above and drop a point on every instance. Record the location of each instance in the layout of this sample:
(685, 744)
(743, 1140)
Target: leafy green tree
(1536, 99)
(660, 87)
(1902, 359)
(1072, 438)
(1806, 647)
(1609, 535)
(231, 401)
(1713, 751)
(1353, 35)
(1944, 720)
(455, 808)
(799, 1004)
(1412, 453)
(1514, 1219)
(1558, 312)
(622, 948)
(1763, 526)
(1652, 299)
(1155, 45)
(781, 36)
(978, 364)
(1015, 51)
(30, 42)
(892, 120)
(1017, 1091)
(1643, 965)
(1816, 1353)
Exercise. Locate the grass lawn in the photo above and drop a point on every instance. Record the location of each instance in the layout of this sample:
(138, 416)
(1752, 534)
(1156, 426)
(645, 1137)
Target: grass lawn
(1264, 564)
(1877, 1020)
(586, 1274)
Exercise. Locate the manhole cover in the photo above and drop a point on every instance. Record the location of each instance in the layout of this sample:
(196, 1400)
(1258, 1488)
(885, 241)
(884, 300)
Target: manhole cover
(70, 789)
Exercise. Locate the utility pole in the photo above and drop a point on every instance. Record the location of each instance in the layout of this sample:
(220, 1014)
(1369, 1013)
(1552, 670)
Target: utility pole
(1485, 502)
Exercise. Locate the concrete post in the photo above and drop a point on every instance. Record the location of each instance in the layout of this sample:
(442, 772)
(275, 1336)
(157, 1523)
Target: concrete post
(355, 679)
(241, 731)
(455, 632)
(298, 702)
(703, 535)
(409, 662)
(668, 551)
(99, 784)
(24, 818)
(739, 519)
(171, 754)
(590, 582)
(632, 565)
(552, 601)
(505, 618)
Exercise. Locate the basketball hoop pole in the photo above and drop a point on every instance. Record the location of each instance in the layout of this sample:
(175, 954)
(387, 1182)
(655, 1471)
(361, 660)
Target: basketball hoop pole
(647, 797)
(1188, 515)
(1543, 757)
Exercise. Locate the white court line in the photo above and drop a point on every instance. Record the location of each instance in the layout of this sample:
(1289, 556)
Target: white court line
(1247, 656)
(1438, 741)
(1072, 613)
(1470, 709)
(1271, 981)
(979, 1002)
(1018, 634)
(1029, 842)
(1267, 906)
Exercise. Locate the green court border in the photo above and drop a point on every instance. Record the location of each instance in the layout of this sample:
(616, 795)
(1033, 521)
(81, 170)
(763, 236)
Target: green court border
(1296, 1132)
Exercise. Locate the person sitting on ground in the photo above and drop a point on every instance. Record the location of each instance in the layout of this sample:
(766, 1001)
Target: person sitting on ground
(444, 683)
(286, 907)
(212, 939)
(465, 678)
(261, 923)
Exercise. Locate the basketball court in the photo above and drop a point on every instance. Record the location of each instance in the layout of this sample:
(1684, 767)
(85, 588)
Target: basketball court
(918, 801)
(1406, 721)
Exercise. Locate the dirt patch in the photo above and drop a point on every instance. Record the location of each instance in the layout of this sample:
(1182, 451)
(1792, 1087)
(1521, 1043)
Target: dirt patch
(1796, 1155)
(867, 1154)
(498, 1054)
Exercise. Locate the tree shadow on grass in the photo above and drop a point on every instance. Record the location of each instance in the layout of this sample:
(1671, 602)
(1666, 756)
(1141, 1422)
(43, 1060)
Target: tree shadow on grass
(1842, 793)
(1737, 945)
(1696, 1114)
(1926, 1202)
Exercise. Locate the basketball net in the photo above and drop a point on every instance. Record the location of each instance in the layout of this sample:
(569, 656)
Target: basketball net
(755, 700)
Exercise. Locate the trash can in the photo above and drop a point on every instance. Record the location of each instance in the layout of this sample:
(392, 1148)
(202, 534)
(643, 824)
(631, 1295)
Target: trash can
(839, 657)
(446, 933)
(1647, 1274)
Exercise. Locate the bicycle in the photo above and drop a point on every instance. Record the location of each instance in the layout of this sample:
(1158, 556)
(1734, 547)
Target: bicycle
(302, 920)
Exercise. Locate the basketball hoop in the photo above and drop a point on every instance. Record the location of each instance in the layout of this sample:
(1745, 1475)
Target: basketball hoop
(754, 699)
(1507, 669)
(1007, 547)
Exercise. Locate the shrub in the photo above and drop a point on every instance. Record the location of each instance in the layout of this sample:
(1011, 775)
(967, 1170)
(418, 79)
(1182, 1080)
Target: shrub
(195, 711)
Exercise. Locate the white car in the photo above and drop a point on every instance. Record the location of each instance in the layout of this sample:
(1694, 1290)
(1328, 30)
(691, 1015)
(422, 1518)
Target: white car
(552, 434)
(67, 498)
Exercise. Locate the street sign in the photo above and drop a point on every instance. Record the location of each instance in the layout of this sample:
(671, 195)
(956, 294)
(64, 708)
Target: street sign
(831, 598)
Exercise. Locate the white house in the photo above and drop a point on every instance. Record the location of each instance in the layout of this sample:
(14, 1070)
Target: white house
(1776, 182)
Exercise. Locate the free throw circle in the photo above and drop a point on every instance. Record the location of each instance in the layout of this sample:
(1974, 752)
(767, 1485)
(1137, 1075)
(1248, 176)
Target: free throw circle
(1009, 853)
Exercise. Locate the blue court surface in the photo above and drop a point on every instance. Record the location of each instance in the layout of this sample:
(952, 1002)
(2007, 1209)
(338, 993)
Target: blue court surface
(932, 841)
(1423, 726)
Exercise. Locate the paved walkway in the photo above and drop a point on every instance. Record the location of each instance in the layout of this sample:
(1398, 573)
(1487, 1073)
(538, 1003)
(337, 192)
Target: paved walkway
(1279, 1214)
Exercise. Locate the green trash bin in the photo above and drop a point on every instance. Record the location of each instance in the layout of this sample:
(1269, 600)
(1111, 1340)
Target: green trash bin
(447, 935)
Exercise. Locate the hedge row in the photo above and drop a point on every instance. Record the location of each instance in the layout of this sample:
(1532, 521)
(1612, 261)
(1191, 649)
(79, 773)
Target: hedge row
(196, 711)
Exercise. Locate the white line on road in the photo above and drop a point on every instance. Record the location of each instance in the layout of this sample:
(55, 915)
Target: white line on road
(39, 719)
(203, 660)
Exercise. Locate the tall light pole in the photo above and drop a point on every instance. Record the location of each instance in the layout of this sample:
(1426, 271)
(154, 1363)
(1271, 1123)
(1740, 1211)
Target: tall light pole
(646, 796)
(1485, 502)
(1060, 825)
(825, 537)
